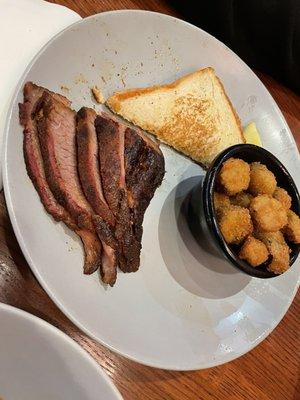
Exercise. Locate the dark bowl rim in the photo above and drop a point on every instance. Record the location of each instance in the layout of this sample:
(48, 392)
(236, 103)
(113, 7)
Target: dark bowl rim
(209, 212)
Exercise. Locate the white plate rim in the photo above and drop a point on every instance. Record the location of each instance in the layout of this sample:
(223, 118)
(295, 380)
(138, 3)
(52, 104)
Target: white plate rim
(21, 242)
(46, 326)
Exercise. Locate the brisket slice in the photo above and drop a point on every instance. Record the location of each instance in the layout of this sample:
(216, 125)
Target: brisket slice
(110, 136)
(57, 134)
(92, 249)
(35, 170)
(32, 153)
(144, 171)
(88, 166)
(89, 173)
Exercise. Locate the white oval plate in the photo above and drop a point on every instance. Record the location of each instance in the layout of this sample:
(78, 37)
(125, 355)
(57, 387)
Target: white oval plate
(38, 361)
(183, 309)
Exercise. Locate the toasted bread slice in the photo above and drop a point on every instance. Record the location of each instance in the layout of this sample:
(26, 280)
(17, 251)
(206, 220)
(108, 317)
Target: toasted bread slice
(192, 114)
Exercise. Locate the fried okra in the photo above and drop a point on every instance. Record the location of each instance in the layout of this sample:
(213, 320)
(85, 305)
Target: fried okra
(292, 229)
(262, 180)
(241, 199)
(278, 249)
(258, 218)
(234, 176)
(220, 200)
(268, 213)
(283, 196)
(235, 224)
(254, 251)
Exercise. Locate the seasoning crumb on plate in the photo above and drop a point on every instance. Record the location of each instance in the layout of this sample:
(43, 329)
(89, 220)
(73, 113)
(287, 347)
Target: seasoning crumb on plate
(66, 89)
(98, 95)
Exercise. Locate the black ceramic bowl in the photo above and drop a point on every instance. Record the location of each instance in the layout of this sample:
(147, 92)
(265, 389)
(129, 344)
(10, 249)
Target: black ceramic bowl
(202, 218)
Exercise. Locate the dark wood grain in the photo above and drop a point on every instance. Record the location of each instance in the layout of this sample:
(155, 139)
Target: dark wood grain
(269, 372)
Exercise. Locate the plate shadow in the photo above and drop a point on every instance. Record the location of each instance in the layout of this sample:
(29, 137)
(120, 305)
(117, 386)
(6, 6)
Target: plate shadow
(193, 267)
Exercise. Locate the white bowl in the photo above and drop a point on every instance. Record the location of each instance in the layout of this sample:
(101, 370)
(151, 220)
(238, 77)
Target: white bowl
(39, 362)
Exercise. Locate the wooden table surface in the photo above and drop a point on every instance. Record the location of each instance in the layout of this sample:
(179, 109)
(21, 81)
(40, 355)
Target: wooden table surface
(269, 372)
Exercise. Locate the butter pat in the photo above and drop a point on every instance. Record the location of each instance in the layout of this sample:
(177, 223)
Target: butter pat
(251, 135)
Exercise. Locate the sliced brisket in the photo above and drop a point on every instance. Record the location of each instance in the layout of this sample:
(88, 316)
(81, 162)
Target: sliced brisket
(136, 167)
(32, 152)
(92, 173)
(110, 135)
(89, 173)
(88, 164)
(36, 172)
(92, 249)
(145, 169)
(57, 134)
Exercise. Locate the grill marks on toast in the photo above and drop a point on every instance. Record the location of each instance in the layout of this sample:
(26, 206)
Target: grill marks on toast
(35, 169)
(92, 173)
